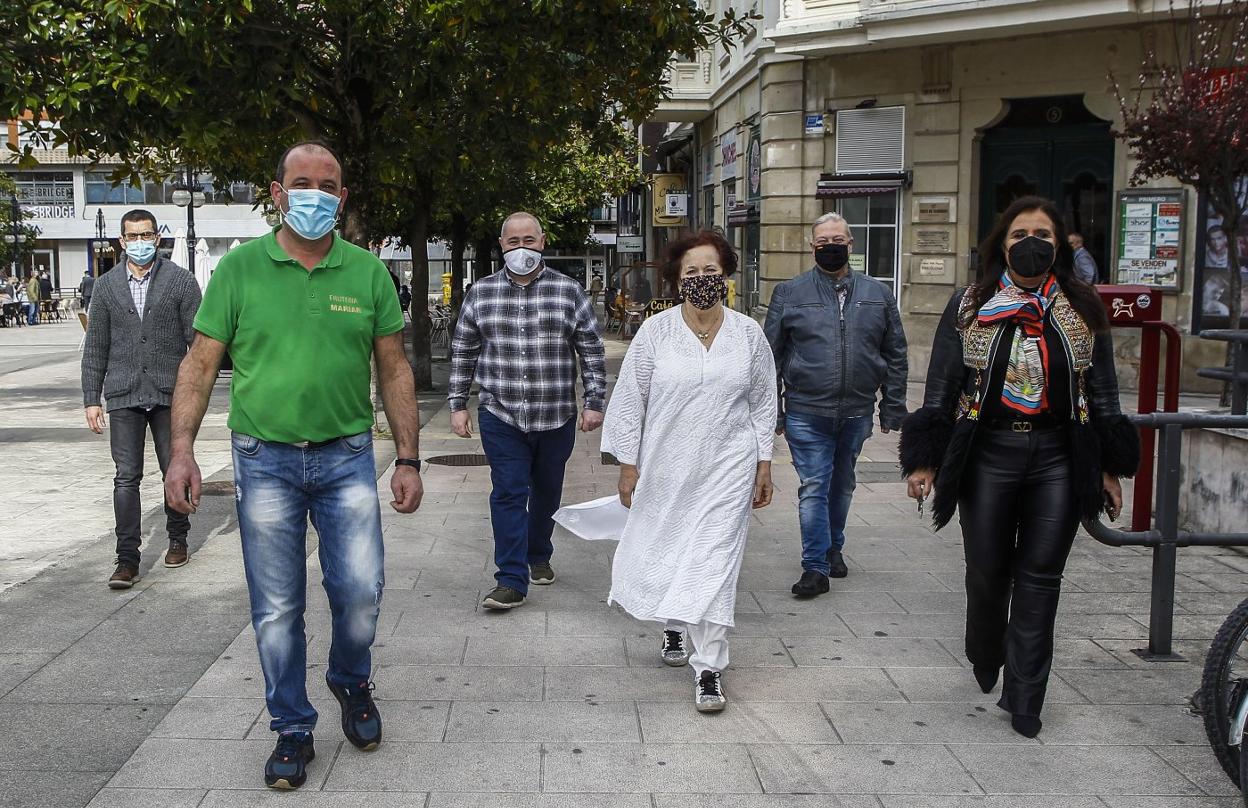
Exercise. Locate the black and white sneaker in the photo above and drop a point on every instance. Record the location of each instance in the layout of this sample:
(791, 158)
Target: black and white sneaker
(361, 722)
(708, 693)
(286, 767)
(541, 574)
(503, 598)
(674, 651)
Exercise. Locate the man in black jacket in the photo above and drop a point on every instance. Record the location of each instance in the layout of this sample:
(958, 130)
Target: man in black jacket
(138, 331)
(838, 342)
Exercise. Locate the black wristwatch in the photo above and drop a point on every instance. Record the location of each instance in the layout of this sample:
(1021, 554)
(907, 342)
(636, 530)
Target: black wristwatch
(404, 461)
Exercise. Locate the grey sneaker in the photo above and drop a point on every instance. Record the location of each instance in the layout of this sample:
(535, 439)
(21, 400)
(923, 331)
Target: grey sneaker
(541, 574)
(674, 652)
(503, 598)
(708, 693)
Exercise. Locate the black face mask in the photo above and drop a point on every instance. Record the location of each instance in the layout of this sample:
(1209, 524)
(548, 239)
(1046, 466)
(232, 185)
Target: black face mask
(832, 257)
(1032, 257)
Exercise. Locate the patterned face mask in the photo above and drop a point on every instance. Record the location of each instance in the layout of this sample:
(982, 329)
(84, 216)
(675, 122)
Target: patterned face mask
(704, 291)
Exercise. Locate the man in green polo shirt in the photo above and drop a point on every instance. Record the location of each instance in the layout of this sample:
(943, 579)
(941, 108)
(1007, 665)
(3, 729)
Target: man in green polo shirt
(302, 313)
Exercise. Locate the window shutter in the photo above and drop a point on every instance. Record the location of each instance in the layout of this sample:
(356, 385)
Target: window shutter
(870, 140)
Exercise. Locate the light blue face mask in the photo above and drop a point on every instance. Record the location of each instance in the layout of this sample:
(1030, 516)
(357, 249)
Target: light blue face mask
(311, 213)
(141, 252)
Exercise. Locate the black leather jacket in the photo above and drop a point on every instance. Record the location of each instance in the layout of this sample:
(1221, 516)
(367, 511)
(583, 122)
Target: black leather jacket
(938, 436)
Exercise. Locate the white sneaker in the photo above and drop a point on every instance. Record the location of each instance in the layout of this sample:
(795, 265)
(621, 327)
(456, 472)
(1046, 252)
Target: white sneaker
(708, 693)
(674, 651)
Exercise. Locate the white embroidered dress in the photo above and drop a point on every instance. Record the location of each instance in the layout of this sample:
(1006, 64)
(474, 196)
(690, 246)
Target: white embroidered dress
(696, 423)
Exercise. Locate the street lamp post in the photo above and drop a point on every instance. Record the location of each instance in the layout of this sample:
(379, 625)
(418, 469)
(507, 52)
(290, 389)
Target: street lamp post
(99, 242)
(186, 194)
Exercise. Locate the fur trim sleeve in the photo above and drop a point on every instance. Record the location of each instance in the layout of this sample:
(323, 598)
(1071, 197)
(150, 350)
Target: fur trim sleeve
(925, 437)
(1119, 444)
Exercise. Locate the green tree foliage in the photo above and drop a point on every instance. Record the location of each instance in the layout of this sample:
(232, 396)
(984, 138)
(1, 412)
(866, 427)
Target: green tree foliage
(418, 97)
(11, 251)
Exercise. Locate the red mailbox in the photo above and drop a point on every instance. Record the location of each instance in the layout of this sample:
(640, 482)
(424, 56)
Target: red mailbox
(1130, 305)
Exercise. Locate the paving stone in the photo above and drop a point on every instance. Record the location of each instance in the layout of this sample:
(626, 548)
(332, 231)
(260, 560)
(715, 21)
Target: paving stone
(922, 723)
(1173, 802)
(959, 687)
(1199, 766)
(409, 766)
(832, 603)
(932, 801)
(219, 718)
(789, 624)
(618, 684)
(741, 722)
(310, 799)
(632, 768)
(148, 632)
(1071, 770)
(147, 798)
(765, 801)
(440, 799)
(394, 650)
(437, 683)
(846, 769)
(217, 764)
(873, 653)
(49, 789)
(551, 721)
(1082, 724)
(1161, 684)
(16, 668)
(81, 676)
(85, 737)
(540, 651)
(403, 720)
(933, 626)
(744, 652)
(522, 622)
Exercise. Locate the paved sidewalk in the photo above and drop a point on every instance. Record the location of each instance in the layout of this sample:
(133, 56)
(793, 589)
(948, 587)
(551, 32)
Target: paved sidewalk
(858, 698)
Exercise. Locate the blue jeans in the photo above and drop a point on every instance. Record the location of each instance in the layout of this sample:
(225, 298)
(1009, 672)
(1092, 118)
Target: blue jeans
(824, 453)
(278, 487)
(526, 471)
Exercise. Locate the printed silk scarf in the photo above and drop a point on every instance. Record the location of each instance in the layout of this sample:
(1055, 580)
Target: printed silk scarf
(1025, 390)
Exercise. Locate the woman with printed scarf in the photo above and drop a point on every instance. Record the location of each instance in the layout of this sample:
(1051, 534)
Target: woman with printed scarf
(691, 421)
(1021, 431)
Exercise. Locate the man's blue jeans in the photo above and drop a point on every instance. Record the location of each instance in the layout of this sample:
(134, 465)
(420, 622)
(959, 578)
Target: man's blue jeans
(526, 470)
(824, 453)
(278, 487)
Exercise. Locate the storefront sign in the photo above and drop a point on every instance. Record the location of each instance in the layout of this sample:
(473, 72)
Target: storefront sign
(659, 304)
(933, 240)
(678, 204)
(932, 266)
(630, 244)
(708, 165)
(935, 209)
(665, 186)
(1148, 249)
(728, 155)
(814, 125)
(49, 211)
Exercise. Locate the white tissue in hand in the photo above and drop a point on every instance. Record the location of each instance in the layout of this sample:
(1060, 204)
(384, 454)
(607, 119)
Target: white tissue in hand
(597, 520)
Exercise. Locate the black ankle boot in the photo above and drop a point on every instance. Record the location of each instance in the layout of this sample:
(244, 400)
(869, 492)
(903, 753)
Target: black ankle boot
(1026, 725)
(987, 677)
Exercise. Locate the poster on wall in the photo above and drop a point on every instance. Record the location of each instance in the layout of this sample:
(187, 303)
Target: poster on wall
(1149, 241)
(1212, 279)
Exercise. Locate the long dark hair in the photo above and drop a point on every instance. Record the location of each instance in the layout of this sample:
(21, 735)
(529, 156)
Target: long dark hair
(1082, 296)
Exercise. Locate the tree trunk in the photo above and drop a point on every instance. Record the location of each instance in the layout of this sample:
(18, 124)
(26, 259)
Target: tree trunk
(422, 348)
(459, 239)
(353, 227)
(484, 263)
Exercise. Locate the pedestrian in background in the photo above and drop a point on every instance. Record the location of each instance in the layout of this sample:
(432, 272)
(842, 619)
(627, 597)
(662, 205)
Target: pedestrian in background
(1021, 431)
(838, 343)
(691, 422)
(136, 337)
(32, 299)
(85, 288)
(1085, 264)
(519, 334)
(304, 314)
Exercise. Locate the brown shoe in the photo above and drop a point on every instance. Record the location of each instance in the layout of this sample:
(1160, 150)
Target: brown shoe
(126, 576)
(177, 555)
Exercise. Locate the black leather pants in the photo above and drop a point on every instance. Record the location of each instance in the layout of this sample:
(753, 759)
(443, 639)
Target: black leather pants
(1019, 517)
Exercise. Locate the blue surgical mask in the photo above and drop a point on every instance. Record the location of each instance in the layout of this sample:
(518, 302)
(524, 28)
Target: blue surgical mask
(141, 252)
(311, 213)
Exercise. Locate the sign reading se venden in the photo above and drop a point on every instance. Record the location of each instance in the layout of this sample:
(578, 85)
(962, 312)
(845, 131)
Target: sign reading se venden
(1149, 243)
(665, 185)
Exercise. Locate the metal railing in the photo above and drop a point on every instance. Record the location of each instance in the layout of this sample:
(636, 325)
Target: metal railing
(1165, 538)
(1237, 373)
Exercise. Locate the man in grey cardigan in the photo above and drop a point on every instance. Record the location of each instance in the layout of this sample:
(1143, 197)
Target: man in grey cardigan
(138, 331)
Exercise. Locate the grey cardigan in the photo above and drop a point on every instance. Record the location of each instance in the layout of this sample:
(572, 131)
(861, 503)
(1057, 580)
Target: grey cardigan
(133, 362)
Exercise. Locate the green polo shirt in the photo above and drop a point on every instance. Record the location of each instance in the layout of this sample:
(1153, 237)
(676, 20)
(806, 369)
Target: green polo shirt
(301, 342)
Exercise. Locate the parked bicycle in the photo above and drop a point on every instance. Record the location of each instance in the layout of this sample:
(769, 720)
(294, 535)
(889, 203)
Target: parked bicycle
(1223, 696)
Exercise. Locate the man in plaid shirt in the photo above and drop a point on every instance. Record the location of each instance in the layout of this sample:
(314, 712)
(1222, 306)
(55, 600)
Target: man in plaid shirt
(517, 334)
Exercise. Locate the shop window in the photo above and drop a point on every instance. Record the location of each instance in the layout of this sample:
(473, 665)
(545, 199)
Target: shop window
(873, 222)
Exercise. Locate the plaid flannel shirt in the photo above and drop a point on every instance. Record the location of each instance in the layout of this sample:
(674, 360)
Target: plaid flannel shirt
(517, 342)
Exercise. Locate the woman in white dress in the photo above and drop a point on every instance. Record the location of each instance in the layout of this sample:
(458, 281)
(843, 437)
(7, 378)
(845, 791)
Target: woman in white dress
(691, 421)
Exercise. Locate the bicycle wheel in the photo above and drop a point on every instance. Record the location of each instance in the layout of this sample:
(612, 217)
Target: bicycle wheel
(1224, 685)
